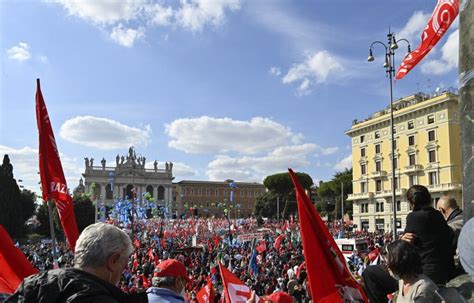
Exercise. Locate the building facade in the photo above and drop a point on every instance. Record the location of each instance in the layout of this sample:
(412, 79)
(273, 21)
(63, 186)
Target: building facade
(207, 198)
(128, 178)
(427, 152)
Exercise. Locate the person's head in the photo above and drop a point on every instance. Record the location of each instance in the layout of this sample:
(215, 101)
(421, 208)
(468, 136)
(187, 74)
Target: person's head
(171, 274)
(278, 297)
(103, 250)
(418, 196)
(403, 260)
(466, 247)
(446, 205)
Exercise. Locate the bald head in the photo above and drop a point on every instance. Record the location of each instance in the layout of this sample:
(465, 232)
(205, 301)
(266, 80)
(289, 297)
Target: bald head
(446, 205)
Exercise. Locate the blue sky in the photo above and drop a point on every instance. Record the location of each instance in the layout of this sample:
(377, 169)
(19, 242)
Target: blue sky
(233, 89)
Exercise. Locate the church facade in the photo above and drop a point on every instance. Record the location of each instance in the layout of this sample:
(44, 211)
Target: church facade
(128, 178)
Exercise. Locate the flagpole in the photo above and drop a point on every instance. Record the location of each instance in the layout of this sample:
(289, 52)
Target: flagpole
(51, 229)
(342, 206)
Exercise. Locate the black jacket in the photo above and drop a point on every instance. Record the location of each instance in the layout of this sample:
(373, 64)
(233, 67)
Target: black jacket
(434, 242)
(70, 285)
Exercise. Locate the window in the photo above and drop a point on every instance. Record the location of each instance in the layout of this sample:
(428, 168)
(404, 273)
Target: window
(378, 185)
(363, 169)
(225, 192)
(377, 135)
(430, 119)
(199, 192)
(377, 148)
(208, 192)
(378, 166)
(399, 206)
(364, 208)
(192, 192)
(411, 140)
(432, 156)
(347, 247)
(217, 192)
(379, 207)
(394, 129)
(362, 139)
(411, 125)
(412, 159)
(431, 135)
(363, 187)
(362, 152)
(433, 178)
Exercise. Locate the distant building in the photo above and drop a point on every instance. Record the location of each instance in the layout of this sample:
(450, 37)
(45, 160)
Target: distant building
(128, 178)
(206, 198)
(427, 152)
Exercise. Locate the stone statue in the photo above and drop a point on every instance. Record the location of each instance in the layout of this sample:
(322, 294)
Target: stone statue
(130, 152)
(138, 161)
(167, 166)
(86, 162)
(143, 161)
(92, 162)
(103, 163)
(117, 159)
(122, 160)
(171, 166)
(155, 165)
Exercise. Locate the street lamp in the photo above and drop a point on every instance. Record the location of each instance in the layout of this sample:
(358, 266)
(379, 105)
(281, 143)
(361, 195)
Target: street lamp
(389, 63)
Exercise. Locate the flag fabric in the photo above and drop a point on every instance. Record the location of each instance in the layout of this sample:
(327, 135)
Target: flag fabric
(253, 265)
(278, 241)
(136, 243)
(206, 294)
(262, 247)
(14, 266)
(322, 256)
(443, 15)
(235, 291)
(53, 183)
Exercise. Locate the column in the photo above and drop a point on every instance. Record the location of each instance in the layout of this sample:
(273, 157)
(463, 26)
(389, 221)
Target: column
(102, 191)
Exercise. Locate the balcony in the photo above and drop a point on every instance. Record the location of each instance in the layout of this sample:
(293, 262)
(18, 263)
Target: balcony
(444, 187)
(388, 193)
(411, 169)
(360, 196)
(379, 174)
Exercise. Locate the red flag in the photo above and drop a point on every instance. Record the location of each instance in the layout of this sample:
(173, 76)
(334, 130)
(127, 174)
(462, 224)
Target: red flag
(262, 247)
(146, 283)
(235, 291)
(206, 294)
(150, 254)
(443, 15)
(136, 243)
(278, 240)
(14, 266)
(53, 182)
(285, 226)
(322, 256)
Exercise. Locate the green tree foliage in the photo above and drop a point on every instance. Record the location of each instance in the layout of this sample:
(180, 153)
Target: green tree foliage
(84, 210)
(27, 200)
(11, 215)
(281, 185)
(43, 217)
(330, 192)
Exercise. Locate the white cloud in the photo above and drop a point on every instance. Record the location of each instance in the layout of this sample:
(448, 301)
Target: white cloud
(256, 168)
(275, 71)
(222, 135)
(316, 69)
(126, 36)
(160, 15)
(43, 59)
(344, 163)
(103, 11)
(195, 14)
(19, 52)
(180, 169)
(25, 167)
(103, 133)
(449, 57)
(325, 151)
(413, 28)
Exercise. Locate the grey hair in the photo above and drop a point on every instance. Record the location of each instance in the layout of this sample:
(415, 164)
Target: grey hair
(163, 281)
(97, 242)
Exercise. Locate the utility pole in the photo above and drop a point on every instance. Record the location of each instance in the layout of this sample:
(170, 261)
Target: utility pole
(466, 106)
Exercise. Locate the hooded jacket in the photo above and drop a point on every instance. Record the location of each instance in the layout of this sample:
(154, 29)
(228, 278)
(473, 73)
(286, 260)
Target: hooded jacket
(70, 285)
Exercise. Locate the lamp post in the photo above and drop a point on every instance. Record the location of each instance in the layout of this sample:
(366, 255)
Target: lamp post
(389, 63)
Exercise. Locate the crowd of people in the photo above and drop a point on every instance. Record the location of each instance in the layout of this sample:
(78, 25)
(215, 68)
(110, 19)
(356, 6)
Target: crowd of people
(172, 260)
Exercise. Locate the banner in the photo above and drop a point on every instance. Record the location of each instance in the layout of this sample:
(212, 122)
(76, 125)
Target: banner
(206, 294)
(235, 291)
(53, 183)
(322, 256)
(443, 15)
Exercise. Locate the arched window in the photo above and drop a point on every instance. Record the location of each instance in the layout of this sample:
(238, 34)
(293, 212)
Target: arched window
(161, 193)
(149, 189)
(97, 191)
(128, 192)
(109, 194)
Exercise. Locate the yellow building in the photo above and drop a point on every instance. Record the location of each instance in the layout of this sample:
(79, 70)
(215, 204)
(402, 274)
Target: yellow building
(427, 152)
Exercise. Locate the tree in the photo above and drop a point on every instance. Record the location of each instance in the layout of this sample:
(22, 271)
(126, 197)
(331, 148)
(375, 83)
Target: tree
(43, 217)
(84, 211)
(11, 216)
(27, 200)
(281, 185)
(330, 192)
(266, 205)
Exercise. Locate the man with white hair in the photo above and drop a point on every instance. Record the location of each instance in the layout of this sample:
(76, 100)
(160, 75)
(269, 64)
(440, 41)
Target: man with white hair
(102, 253)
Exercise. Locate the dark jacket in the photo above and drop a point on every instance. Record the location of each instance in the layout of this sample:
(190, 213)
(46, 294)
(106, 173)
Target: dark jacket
(434, 242)
(69, 285)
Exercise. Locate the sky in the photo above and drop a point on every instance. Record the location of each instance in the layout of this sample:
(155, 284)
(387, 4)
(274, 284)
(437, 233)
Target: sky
(224, 89)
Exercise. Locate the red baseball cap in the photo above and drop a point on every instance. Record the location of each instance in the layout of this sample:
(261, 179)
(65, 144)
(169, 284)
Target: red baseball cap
(171, 268)
(279, 297)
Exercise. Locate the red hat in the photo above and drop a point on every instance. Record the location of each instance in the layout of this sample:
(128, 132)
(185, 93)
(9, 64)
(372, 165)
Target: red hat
(279, 297)
(171, 268)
